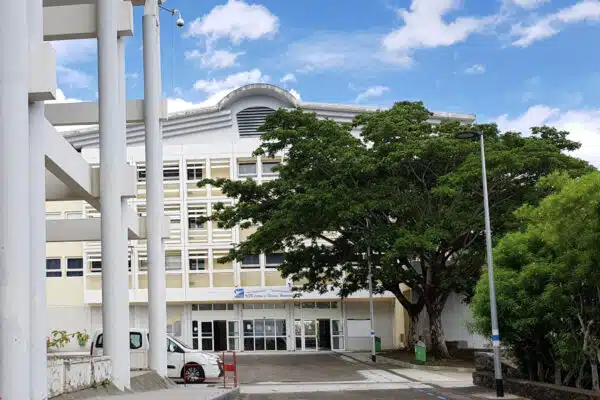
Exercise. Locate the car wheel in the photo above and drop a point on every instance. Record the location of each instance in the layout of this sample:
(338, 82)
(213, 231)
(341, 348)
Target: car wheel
(193, 373)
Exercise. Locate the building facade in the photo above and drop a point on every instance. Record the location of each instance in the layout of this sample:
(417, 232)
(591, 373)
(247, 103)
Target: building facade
(245, 306)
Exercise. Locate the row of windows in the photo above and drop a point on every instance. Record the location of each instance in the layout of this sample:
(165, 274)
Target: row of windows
(54, 267)
(212, 307)
(310, 305)
(196, 171)
(196, 263)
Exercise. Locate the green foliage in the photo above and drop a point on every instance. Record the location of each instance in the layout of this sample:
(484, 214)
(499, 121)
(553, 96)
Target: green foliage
(548, 281)
(405, 188)
(82, 337)
(58, 339)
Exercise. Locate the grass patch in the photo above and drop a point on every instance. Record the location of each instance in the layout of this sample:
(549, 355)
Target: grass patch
(460, 358)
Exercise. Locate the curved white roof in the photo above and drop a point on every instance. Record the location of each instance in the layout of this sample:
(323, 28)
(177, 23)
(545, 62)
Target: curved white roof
(206, 119)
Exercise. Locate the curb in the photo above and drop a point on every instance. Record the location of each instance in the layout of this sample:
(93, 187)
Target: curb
(405, 364)
(231, 395)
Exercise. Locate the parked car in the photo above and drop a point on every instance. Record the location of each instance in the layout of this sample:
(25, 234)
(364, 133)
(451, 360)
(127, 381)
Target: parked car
(182, 361)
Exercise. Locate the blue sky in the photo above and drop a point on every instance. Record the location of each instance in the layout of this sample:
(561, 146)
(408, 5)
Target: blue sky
(517, 62)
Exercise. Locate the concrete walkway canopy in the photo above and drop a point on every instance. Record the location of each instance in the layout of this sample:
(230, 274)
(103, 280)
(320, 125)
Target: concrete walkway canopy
(39, 165)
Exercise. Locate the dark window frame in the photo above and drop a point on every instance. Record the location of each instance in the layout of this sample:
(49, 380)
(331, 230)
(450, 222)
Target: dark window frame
(53, 272)
(74, 271)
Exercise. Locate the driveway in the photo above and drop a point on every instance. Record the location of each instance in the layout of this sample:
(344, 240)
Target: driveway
(333, 376)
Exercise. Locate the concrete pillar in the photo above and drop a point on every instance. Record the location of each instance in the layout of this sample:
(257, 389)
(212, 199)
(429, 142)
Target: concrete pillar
(157, 299)
(122, 281)
(115, 329)
(38, 387)
(15, 285)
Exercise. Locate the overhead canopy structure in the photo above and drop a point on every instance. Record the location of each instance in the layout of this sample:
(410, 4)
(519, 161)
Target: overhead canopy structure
(39, 165)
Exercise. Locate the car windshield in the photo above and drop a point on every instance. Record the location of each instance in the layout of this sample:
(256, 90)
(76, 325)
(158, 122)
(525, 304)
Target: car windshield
(180, 342)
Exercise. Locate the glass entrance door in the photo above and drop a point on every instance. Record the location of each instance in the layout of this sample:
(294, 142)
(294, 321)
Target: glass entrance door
(202, 335)
(319, 334)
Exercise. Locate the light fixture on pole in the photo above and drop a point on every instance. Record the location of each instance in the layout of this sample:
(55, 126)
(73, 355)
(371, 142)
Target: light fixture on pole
(179, 21)
(370, 278)
(467, 135)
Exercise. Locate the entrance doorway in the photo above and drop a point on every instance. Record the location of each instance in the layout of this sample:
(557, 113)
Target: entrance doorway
(220, 335)
(324, 334)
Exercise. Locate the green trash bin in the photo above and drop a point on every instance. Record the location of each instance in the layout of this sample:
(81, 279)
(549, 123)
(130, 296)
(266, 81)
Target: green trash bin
(420, 352)
(377, 344)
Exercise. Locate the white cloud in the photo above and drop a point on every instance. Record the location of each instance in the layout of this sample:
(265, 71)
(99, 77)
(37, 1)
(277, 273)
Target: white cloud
(372, 92)
(214, 58)
(236, 20)
(74, 51)
(339, 51)
(289, 77)
(424, 27)
(583, 124)
(176, 104)
(295, 93)
(62, 98)
(73, 78)
(231, 82)
(552, 24)
(475, 69)
(529, 4)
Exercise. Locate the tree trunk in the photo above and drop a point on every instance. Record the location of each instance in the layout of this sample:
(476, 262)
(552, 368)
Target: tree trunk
(557, 374)
(540, 371)
(595, 383)
(413, 334)
(438, 339)
(579, 380)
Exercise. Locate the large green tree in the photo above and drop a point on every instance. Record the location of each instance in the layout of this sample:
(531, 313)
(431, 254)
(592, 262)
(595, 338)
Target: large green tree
(403, 187)
(548, 284)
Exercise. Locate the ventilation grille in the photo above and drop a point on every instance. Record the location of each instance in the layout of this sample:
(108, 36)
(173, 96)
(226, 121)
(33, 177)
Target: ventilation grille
(251, 118)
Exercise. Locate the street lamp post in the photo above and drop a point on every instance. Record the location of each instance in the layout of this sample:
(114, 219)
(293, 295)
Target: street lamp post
(490, 263)
(373, 349)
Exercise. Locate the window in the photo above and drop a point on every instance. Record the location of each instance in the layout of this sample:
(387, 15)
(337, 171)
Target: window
(100, 341)
(173, 261)
(75, 266)
(211, 307)
(53, 268)
(135, 340)
(171, 172)
(195, 223)
(251, 261)
(247, 169)
(197, 264)
(194, 172)
(143, 264)
(274, 260)
(141, 173)
(267, 167)
(96, 266)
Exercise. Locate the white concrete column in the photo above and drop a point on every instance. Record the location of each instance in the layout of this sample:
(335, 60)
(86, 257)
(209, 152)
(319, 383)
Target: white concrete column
(122, 280)
(15, 285)
(157, 299)
(115, 329)
(38, 386)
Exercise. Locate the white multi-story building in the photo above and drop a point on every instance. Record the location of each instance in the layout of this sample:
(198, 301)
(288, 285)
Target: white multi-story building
(211, 305)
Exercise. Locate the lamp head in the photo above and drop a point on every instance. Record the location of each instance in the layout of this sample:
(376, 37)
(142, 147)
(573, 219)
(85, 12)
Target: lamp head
(467, 135)
(179, 22)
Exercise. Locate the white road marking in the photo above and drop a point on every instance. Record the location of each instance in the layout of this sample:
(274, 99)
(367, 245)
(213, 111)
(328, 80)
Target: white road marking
(330, 387)
(442, 379)
(379, 375)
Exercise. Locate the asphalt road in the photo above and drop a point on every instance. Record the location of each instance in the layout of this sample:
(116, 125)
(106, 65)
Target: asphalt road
(331, 376)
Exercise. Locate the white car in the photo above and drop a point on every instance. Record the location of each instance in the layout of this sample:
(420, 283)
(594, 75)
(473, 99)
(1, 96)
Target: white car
(182, 361)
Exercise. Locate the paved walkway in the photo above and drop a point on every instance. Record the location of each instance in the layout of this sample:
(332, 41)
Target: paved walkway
(191, 392)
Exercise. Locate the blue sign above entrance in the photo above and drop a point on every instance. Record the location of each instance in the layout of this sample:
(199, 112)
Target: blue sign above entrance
(260, 293)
